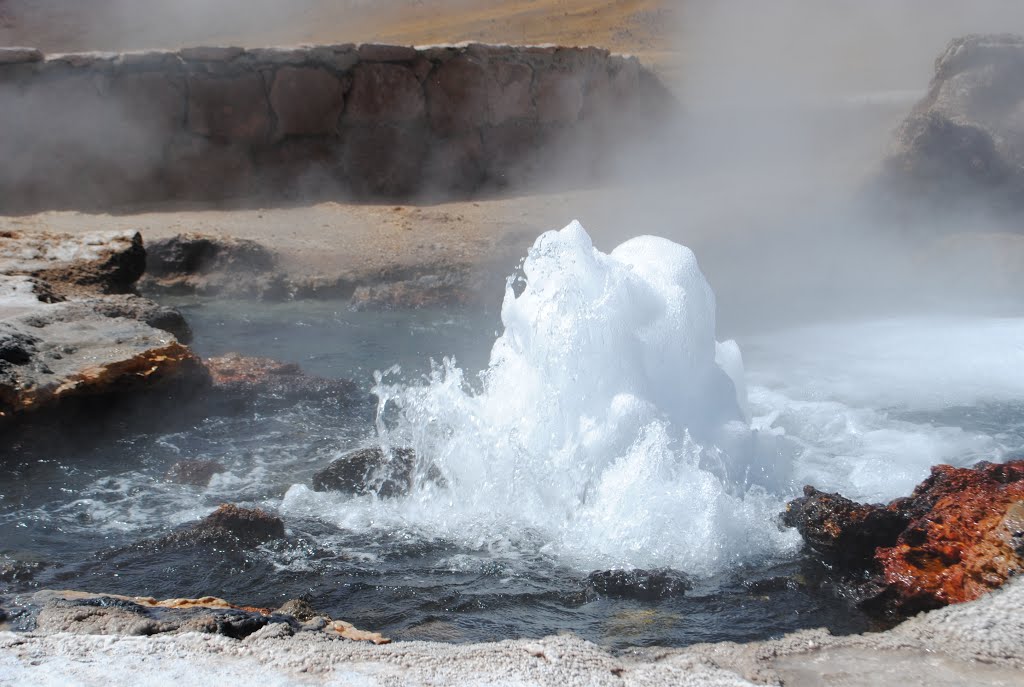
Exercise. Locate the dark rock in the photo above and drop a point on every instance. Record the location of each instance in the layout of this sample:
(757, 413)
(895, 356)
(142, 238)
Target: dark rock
(307, 101)
(231, 108)
(384, 93)
(372, 471)
(196, 263)
(197, 473)
(642, 585)
(144, 310)
(842, 530)
(20, 571)
(187, 254)
(229, 526)
(16, 55)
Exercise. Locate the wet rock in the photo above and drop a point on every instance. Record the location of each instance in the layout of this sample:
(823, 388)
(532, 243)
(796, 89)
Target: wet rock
(75, 264)
(643, 585)
(78, 353)
(20, 571)
(206, 53)
(230, 526)
(372, 471)
(956, 537)
(299, 609)
(842, 530)
(239, 379)
(371, 52)
(197, 473)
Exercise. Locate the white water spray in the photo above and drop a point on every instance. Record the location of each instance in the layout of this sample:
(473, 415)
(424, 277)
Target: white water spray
(603, 425)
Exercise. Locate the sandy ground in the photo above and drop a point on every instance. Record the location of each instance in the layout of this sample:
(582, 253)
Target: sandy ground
(977, 643)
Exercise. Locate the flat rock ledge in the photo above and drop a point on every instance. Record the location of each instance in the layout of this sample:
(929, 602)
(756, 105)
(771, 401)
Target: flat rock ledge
(71, 328)
(974, 643)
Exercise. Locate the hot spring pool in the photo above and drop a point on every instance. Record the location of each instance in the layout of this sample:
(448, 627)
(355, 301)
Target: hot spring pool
(609, 432)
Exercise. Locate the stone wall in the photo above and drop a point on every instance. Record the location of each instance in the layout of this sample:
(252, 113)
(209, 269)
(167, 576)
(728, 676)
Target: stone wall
(361, 121)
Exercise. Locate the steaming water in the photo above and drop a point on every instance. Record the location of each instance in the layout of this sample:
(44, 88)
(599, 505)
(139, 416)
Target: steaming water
(607, 429)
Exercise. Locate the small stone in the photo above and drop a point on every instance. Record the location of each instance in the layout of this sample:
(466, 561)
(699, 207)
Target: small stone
(197, 473)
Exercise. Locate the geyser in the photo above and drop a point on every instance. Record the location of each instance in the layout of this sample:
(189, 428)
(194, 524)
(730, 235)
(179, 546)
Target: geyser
(606, 428)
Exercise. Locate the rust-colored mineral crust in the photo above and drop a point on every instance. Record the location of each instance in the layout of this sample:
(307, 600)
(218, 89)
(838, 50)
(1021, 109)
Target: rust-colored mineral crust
(959, 535)
(970, 540)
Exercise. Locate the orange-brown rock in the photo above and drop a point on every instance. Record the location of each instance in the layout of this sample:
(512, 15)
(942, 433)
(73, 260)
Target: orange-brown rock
(958, 535)
(968, 542)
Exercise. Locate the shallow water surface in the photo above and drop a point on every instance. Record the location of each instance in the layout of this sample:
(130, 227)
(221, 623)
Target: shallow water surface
(865, 407)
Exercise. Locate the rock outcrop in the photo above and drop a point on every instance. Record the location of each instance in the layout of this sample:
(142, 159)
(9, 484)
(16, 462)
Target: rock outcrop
(114, 614)
(212, 265)
(959, 535)
(963, 145)
(213, 123)
(71, 331)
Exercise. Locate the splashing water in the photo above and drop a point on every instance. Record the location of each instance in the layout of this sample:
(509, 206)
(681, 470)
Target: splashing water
(609, 424)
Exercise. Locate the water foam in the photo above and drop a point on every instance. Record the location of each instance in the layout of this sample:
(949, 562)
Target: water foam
(603, 425)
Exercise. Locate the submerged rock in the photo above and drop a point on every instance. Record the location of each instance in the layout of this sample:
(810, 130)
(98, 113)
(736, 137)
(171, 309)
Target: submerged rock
(643, 585)
(239, 380)
(959, 535)
(372, 471)
(230, 526)
(197, 473)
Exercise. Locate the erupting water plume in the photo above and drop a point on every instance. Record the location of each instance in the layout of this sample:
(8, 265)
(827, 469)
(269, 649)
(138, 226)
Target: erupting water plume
(607, 425)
